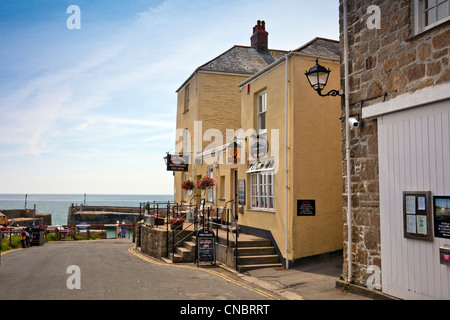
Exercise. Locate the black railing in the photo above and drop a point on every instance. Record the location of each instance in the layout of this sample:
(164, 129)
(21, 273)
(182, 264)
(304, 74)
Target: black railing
(200, 218)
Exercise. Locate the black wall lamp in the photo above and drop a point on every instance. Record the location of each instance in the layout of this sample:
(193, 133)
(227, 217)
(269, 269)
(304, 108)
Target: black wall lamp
(318, 78)
(167, 158)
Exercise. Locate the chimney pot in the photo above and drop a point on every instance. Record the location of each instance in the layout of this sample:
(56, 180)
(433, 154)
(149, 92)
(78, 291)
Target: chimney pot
(259, 39)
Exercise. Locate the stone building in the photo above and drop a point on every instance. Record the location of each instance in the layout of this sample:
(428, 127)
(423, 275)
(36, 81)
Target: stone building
(398, 83)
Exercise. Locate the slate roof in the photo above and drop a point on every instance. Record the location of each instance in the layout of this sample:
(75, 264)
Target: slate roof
(244, 60)
(240, 60)
(316, 48)
(249, 61)
(321, 47)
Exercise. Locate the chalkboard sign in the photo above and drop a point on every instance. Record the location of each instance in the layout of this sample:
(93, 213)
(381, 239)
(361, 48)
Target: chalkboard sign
(306, 207)
(206, 246)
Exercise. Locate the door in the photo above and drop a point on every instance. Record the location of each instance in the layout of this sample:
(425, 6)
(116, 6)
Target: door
(413, 156)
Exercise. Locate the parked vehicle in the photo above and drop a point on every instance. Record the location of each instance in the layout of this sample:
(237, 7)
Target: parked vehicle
(25, 239)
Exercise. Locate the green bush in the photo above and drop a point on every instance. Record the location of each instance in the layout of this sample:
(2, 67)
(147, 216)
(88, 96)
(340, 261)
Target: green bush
(15, 243)
(52, 236)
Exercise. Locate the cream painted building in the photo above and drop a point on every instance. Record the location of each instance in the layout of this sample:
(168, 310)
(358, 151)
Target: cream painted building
(294, 192)
(209, 103)
(288, 192)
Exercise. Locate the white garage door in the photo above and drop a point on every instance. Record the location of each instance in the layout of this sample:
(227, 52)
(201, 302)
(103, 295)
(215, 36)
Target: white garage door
(414, 155)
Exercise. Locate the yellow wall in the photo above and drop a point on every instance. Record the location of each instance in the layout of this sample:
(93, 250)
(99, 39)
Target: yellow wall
(314, 165)
(314, 155)
(215, 101)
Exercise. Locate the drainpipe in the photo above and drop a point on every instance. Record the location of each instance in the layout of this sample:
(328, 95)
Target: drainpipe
(347, 146)
(286, 162)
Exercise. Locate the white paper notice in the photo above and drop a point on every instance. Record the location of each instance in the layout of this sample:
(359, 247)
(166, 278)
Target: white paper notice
(422, 224)
(411, 224)
(421, 203)
(411, 204)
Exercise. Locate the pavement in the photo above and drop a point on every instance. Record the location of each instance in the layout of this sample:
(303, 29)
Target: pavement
(312, 279)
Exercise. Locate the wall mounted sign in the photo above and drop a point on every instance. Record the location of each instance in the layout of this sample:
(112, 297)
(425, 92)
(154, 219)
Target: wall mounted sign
(417, 215)
(306, 207)
(178, 163)
(259, 147)
(234, 153)
(206, 246)
(442, 216)
(241, 192)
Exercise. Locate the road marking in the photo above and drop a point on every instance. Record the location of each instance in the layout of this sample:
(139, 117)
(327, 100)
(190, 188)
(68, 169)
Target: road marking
(218, 274)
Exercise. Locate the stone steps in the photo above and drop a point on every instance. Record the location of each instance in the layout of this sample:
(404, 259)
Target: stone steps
(253, 253)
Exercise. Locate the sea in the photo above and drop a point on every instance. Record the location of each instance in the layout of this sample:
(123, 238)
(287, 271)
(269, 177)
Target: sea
(58, 204)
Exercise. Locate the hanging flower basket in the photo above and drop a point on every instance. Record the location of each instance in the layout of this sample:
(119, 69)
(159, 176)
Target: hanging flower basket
(188, 185)
(206, 183)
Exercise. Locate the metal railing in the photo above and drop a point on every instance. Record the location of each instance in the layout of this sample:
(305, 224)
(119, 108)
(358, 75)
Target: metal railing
(200, 218)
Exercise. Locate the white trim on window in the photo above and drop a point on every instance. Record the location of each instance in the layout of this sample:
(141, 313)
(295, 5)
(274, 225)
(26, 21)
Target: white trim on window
(262, 112)
(262, 185)
(429, 14)
(262, 190)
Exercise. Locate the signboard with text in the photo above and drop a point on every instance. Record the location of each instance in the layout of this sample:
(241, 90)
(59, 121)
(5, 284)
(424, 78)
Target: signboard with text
(177, 163)
(206, 246)
(233, 153)
(306, 207)
(442, 217)
(258, 148)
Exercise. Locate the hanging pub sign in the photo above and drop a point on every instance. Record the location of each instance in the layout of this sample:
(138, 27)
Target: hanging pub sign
(234, 153)
(442, 217)
(206, 246)
(259, 147)
(177, 162)
(417, 215)
(306, 207)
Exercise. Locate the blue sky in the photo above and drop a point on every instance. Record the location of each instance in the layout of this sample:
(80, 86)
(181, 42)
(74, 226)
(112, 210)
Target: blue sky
(93, 110)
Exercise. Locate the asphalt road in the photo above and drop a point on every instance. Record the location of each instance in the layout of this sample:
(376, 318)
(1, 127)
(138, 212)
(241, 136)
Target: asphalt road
(111, 270)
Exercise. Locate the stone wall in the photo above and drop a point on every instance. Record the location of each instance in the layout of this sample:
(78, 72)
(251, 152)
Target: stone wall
(387, 60)
(41, 218)
(153, 241)
(102, 214)
(102, 218)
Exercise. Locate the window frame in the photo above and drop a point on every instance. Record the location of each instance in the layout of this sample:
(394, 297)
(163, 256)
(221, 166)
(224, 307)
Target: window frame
(262, 190)
(187, 98)
(261, 102)
(420, 15)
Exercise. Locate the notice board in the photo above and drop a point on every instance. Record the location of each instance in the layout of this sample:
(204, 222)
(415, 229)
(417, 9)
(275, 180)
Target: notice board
(417, 215)
(306, 207)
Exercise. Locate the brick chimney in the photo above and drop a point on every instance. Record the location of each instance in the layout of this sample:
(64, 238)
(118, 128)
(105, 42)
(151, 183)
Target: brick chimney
(259, 39)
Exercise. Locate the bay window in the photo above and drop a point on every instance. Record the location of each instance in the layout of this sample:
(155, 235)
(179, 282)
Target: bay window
(261, 185)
